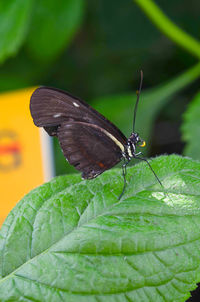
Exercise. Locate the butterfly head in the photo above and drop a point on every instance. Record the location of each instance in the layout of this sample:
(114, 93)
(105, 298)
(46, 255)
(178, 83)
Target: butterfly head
(135, 139)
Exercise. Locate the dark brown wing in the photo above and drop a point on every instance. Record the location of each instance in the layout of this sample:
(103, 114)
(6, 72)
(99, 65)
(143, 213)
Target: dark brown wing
(89, 148)
(51, 107)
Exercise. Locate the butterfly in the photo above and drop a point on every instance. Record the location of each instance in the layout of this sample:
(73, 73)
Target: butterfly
(89, 141)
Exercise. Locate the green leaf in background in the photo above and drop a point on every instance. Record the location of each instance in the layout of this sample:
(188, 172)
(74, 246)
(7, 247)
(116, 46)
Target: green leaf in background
(14, 22)
(73, 240)
(53, 26)
(191, 128)
(119, 109)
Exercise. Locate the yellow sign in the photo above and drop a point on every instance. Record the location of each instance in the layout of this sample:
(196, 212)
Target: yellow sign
(25, 150)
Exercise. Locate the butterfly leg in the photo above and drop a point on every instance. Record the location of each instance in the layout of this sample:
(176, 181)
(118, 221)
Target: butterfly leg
(124, 176)
(137, 154)
(144, 159)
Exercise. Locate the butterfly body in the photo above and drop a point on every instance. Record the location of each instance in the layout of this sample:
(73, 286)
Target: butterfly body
(90, 142)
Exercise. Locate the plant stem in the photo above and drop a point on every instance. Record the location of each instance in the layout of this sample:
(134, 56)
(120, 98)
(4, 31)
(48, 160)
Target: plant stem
(172, 31)
(181, 81)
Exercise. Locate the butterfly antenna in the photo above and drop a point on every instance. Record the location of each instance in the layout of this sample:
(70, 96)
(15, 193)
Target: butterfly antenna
(138, 98)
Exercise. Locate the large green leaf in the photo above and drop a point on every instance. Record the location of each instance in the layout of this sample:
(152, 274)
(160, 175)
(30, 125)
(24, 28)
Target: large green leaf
(73, 240)
(14, 21)
(53, 26)
(191, 128)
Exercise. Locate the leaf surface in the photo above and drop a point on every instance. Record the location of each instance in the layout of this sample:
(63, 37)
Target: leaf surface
(73, 240)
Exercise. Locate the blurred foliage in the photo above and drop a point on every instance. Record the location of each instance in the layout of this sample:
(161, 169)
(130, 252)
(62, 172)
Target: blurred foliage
(95, 51)
(14, 17)
(169, 28)
(191, 128)
(53, 26)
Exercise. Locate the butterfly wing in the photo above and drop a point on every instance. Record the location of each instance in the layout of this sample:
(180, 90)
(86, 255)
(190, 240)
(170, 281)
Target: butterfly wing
(51, 107)
(89, 148)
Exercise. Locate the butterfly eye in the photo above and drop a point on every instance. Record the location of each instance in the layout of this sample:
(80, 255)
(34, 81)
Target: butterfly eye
(143, 144)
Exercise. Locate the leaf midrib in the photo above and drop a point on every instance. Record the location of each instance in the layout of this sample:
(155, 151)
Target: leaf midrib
(74, 229)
